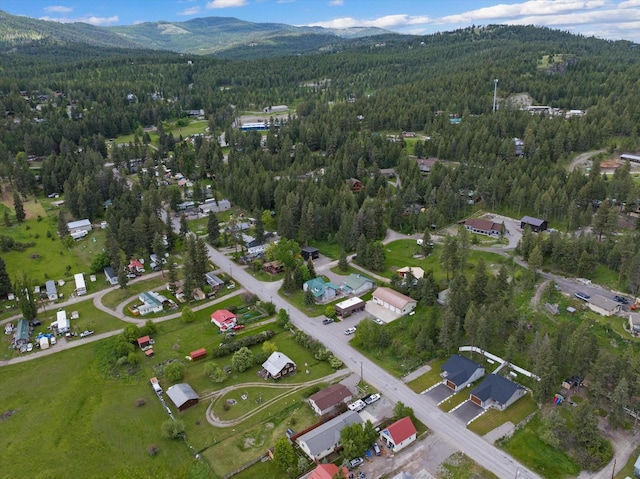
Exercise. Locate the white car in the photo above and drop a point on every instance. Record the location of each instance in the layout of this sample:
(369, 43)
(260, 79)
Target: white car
(52, 340)
(371, 399)
(29, 347)
(84, 334)
(350, 330)
(379, 321)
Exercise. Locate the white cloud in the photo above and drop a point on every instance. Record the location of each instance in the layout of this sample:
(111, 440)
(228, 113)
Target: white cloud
(58, 9)
(226, 3)
(92, 20)
(189, 11)
(629, 3)
(336, 3)
(388, 22)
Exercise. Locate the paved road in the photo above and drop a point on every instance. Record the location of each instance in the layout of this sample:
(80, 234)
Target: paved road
(333, 336)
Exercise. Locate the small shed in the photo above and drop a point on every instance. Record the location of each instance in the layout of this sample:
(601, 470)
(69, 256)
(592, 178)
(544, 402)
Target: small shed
(197, 354)
(144, 341)
(183, 396)
(44, 342)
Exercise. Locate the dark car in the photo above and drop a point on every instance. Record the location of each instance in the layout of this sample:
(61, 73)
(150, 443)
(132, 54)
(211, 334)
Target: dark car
(327, 321)
(621, 299)
(582, 296)
(35, 322)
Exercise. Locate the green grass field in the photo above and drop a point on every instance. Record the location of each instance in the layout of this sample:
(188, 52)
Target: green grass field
(459, 466)
(430, 378)
(493, 418)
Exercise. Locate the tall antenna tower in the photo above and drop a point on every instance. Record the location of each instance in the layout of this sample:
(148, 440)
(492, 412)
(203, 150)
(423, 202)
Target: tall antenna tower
(495, 94)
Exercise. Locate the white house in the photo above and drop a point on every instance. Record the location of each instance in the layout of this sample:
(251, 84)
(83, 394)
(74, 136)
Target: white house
(322, 440)
(399, 434)
(81, 287)
(603, 306)
(62, 322)
(394, 301)
(111, 276)
(152, 302)
(80, 225)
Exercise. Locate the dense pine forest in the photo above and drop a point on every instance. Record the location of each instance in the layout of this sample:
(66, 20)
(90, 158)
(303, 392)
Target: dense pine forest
(61, 104)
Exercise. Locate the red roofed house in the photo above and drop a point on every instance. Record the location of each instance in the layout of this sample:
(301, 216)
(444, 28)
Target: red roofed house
(136, 266)
(328, 471)
(224, 319)
(399, 434)
(144, 341)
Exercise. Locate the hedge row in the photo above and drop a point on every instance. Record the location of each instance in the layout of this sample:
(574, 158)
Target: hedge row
(231, 347)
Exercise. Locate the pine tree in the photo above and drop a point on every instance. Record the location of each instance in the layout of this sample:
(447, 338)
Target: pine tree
(213, 228)
(5, 280)
(343, 264)
(18, 207)
(172, 276)
(63, 230)
(311, 268)
(184, 226)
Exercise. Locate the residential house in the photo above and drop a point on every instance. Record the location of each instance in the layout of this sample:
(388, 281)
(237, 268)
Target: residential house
(112, 277)
(321, 441)
(21, 334)
(636, 467)
(329, 471)
(322, 292)
(497, 392)
(136, 266)
(519, 146)
(356, 284)
(77, 226)
(224, 319)
(483, 227)
(346, 308)
(152, 302)
(214, 281)
(144, 342)
(400, 434)
(81, 287)
(310, 252)
(183, 396)
(52, 291)
(61, 323)
(603, 306)
(328, 399)
(426, 164)
(459, 371)
(413, 209)
(535, 224)
(250, 241)
(416, 271)
(273, 267)
(277, 366)
(354, 185)
(198, 294)
(634, 323)
(394, 301)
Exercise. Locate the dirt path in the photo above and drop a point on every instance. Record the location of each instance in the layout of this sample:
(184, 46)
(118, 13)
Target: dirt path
(536, 297)
(582, 160)
(290, 389)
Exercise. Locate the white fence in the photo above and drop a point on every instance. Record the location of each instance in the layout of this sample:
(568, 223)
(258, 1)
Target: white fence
(498, 359)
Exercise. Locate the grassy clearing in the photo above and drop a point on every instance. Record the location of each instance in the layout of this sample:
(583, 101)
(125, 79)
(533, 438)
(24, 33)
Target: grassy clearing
(453, 401)
(350, 270)
(459, 466)
(515, 414)
(527, 447)
(428, 379)
(118, 295)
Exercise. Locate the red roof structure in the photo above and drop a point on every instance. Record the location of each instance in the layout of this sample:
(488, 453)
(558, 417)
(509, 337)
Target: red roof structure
(134, 263)
(224, 319)
(198, 354)
(327, 471)
(402, 430)
(144, 341)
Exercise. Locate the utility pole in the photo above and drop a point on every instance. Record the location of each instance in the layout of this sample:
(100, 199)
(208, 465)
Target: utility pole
(495, 94)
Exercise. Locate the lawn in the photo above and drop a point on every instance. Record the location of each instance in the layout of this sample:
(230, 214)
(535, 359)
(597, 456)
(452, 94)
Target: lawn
(455, 400)
(77, 425)
(526, 446)
(430, 378)
(515, 414)
(118, 295)
(459, 466)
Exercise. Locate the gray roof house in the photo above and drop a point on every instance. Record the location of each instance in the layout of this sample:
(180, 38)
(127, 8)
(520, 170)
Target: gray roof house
(111, 276)
(183, 396)
(497, 392)
(277, 366)
(321, 441)
(214, 281)
(604, 306)
(356, 284)
(634, 323)
(459, 371)
(52, 291)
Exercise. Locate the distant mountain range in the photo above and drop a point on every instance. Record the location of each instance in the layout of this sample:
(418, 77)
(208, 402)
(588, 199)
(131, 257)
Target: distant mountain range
(203, 36)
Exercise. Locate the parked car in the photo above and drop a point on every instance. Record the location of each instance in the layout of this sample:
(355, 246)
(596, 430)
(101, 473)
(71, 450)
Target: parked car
(621, 299)
(582, 296)
(372, 398)
(230, 334)
(350, 330)
(376, 449)
(52, 340)
(35, 322)
(29, 347)
(355, 462)
(327, 321)
(86, 333)
(238, 327)
(379, 321)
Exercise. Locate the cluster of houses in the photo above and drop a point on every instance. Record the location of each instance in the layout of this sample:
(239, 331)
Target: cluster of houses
(491, 228)
(152, 302)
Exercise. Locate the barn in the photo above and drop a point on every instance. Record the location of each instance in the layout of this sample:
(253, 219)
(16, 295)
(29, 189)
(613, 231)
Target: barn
(183, 396)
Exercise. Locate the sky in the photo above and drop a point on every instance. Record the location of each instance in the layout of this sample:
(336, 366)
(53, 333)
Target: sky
(610, 19)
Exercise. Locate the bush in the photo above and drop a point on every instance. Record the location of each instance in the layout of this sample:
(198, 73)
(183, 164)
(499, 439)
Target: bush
(174, 372)
(172, 429)
(335, 362)
(141, 402)
(153, 450)
(228, 348)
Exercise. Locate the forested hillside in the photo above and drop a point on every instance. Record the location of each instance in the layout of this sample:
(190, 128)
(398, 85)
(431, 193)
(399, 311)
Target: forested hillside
(347, 111)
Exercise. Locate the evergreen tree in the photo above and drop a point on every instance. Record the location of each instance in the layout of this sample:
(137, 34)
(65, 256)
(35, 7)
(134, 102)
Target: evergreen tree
(171, 234)
(172, 276)
(311, 268)
(5, 280)
(63, 230)
(27, 300)
(18, 207)
(213, 228)
(343, 264)
(184, 226)
(427, 243)
(258, 230)
(288, 284)
(535, 261)
(308, 298)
